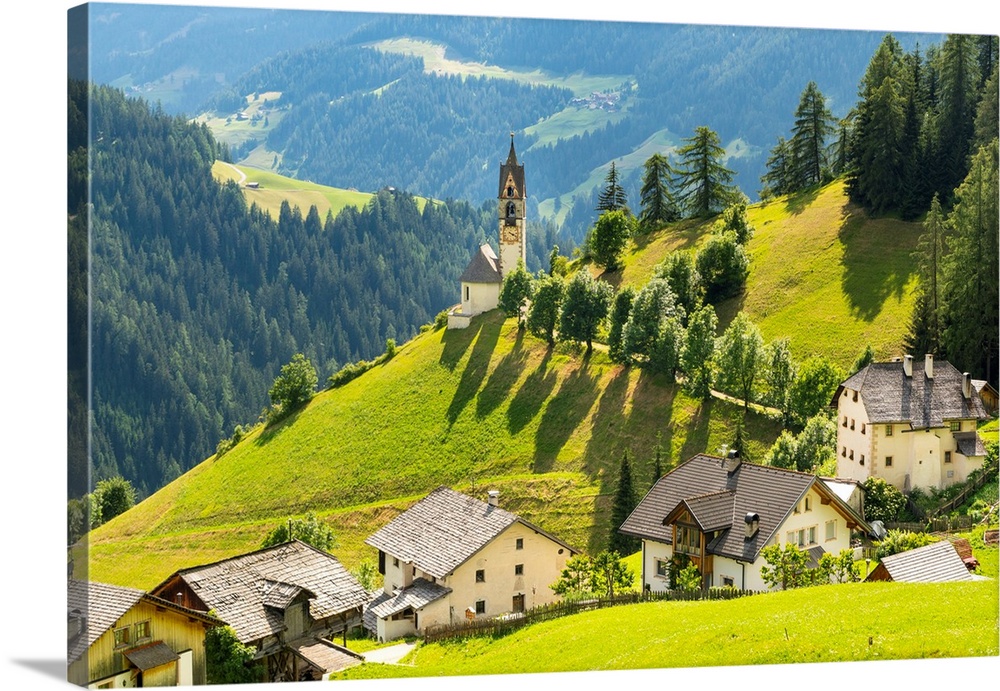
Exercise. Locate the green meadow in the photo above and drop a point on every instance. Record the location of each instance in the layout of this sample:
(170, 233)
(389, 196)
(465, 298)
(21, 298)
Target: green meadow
(832, 623)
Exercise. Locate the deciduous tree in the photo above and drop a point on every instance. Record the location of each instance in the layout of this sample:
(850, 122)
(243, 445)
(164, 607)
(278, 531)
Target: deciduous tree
(739, 355)
(515, 292)
(584, 308)
(610, 237)
(698, 355)
(295, 385)
(543, 316)
(309, 530)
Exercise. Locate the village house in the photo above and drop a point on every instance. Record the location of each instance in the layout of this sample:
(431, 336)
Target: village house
(124, 638)
(287, 601)
(937, 562)
(720, 513)
(482, 279)
(911, 427)
(452, 557)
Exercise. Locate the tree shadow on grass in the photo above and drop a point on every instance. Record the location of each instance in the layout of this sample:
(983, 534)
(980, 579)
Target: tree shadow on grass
(279, 426)
(696, 441)
(502, 379)
(608, 429)
(476, 367)
(873, 271)
(799, 202)
(457, 341)
(564, 413)
(529, 398)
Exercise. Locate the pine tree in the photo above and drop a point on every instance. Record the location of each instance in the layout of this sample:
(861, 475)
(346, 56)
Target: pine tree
(624, 504)
(813, 123)
(969, 300)
(612, 197)
(706, 184)
(780, 176)
(925, 325)
(658, 206)
(956, 110)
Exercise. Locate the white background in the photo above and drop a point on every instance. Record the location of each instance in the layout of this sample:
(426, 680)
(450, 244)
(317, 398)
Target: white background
(33, 331)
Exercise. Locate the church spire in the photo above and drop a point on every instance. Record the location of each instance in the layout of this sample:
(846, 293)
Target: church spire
(512, 156)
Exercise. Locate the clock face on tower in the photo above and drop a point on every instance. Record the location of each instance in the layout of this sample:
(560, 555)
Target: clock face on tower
(511, 234)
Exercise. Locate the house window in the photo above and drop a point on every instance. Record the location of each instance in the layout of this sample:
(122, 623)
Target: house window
(480, 576)
(831, 530)
(888, 461)
(480, 606)
(812, 535)
(518, 569)
(850, 454)
(862, 459)
(796, 509)
(843, 451)
(845, 417)
(802, 537)
(122, 637)
(854, 396)
(687, 539)
(809, 503)
(791, 538)
(395, 561)
(852, 423)
(727, 582)
(662, 568)
(142, 631)
(955, 426)
(466, 293)
(947, 456)
(951, 473)
(888, 430)
(519, 543)
(863, 428)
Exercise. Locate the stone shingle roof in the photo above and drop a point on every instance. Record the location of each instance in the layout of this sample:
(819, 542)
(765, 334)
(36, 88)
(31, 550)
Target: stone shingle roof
(152, 655)
(704, 483)
(969, 443)
(245, 591)
(483, 268)
(99, 605)
(416, 595)
(934, 563)
(325, 655)
(889, 395)
(444, 529)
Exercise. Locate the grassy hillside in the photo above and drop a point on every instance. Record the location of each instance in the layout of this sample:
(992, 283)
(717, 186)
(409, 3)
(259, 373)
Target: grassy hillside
(492, 406)
(821, 273)
(483, 406)
(852, 622)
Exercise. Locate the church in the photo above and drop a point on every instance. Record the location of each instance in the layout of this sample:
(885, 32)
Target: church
(482, 278)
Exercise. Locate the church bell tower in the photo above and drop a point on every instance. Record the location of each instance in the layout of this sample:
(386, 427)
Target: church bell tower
(511, 196)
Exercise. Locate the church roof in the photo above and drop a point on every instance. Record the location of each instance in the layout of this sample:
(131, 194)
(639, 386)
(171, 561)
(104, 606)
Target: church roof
(483, 268)
(512, 167)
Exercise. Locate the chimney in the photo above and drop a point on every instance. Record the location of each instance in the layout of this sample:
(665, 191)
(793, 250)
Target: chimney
(966, 385)
(494, 497)
(752, 521)
(732, 462)
(908, 365)
(929, 365)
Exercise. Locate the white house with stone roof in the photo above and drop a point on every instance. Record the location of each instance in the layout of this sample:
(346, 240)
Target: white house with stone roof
(720, 513)
(483, 277)
(287, 601)
(912, 426)
(452, 557)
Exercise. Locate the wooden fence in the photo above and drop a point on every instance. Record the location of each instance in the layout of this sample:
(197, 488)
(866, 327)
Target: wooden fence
(504, 624)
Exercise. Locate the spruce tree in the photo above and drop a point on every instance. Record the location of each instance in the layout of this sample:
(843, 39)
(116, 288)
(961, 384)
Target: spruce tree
(813, 123)
(925, 325)
(612, 197)
(658, 206)
(706, 184)
(624, 504)
(969, 301)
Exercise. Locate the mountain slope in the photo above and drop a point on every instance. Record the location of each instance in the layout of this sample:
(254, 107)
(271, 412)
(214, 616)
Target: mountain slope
(821, 273)
(485, 405)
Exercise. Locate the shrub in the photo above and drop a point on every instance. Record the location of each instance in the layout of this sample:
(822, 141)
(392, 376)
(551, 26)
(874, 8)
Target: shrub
(897, 541)
(883, 502)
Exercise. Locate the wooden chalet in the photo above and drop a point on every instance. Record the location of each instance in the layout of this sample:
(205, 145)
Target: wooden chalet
(288, 601)
(121, 637)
